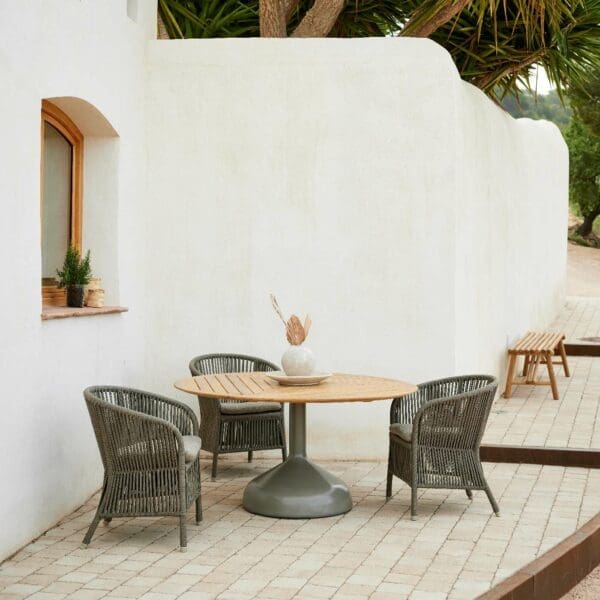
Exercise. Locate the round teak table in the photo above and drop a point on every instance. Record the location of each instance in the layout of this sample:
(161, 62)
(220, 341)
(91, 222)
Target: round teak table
(296, 488)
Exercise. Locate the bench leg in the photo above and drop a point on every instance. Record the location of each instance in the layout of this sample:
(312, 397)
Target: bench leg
(512, 362)
(525, 365)
(551, 375)
(535, 363)
(563, 354)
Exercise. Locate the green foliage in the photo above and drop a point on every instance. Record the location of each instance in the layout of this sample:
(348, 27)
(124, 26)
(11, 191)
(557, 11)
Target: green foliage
(239, 18)
(578, 239)
(539, 106)
(75, 271)
(584, 167)
(497, 51)
(494, 44)
(586, 101)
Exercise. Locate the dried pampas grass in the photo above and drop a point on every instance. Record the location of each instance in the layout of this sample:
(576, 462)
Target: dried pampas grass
(295, 331)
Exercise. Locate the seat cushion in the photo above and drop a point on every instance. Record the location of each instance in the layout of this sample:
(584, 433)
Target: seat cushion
(402, 430)
(191, 447)
(249, 408)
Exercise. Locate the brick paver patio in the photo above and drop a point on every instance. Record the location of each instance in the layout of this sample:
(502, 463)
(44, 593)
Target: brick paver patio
(579, 319)
(455, 549)
(532, 418)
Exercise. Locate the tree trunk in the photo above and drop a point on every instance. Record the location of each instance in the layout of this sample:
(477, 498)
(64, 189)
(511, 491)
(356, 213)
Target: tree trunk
(161, 29)
(414, 28)
(320, 19)
(588, 222)
(272, 15)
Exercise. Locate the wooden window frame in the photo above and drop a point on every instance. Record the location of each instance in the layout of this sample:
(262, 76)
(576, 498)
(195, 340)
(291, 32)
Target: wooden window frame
(58, 119)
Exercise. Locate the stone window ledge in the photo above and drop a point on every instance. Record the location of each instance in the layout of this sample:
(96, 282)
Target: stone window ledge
(68, 312)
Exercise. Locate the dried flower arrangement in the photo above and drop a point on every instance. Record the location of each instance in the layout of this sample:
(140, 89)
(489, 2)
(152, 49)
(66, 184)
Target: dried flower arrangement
(295, 331)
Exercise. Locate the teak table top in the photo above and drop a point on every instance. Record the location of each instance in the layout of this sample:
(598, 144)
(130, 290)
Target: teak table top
(257, 386)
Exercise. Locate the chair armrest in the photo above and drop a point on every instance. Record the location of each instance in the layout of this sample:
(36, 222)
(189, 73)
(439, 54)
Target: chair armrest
(404, 409)
(137, 441)
(456, 421)
(172, 411)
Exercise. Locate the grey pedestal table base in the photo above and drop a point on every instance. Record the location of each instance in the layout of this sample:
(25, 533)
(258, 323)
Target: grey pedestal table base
(297, 488)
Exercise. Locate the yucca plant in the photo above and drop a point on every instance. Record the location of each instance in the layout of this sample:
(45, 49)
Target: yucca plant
(240, 18)
(497, 53)
(494, 43)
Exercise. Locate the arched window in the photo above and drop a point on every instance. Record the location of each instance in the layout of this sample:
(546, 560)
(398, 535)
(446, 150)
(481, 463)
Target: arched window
(61, 194)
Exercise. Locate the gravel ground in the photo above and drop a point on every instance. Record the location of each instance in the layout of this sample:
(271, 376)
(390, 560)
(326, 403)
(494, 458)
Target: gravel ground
(583, 271)
(588, 589)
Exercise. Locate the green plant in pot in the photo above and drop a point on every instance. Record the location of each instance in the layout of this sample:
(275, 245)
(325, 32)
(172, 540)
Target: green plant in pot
(74, 276)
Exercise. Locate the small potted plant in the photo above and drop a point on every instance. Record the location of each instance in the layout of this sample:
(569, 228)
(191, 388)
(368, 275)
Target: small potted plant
(75, 274)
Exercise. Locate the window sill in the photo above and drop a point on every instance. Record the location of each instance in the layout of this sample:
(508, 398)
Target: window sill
(67, 312)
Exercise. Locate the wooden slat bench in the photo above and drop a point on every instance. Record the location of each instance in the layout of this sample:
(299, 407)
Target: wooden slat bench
(537, 348)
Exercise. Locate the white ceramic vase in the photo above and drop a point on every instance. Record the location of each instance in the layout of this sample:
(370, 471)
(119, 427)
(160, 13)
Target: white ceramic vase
(298, 360)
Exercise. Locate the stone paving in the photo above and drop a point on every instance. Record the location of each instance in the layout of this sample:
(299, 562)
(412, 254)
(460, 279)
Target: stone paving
(532, 418)
(580, 318)
(455, 549)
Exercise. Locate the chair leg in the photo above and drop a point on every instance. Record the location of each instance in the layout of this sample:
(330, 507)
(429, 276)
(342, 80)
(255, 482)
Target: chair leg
(215, 462)
(250, 456)
(283, 454)
(92, 528)
(469, 494)
(198, 510)
(413, 502)
(182, 534)
(492, 500)
(390, 475)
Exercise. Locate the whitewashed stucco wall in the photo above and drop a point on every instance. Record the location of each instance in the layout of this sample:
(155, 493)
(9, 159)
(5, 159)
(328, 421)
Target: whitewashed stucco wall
(49, 462)
(360, 180)
(510, 229)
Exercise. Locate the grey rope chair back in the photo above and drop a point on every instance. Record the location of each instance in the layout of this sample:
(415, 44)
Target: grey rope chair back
(127, 423)
(437, 444)
(210, 364)
(222, 430)
(456, 415)
(141, 441)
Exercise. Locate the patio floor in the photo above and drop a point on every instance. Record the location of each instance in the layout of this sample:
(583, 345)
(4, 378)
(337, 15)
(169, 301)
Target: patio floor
(456, 548)
(532, 418)
(580, 319)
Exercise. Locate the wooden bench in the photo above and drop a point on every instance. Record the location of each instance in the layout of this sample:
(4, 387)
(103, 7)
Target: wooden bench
(537, 348)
